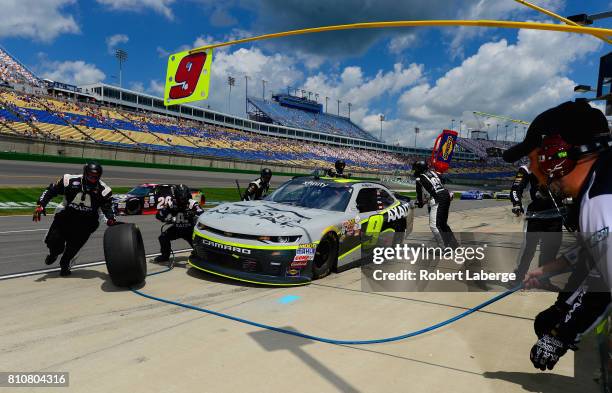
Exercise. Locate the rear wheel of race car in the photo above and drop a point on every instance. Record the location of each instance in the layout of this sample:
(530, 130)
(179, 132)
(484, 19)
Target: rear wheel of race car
(326, 257)
(124, 254)
(133, 207)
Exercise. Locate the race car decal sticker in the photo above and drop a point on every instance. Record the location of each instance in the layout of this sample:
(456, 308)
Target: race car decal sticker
(398, 212)
(315, 184)
(265, 212)
(226, 247)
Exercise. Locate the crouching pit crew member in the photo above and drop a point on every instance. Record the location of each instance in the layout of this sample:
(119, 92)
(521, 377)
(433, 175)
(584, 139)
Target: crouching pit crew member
(179, 219)
(84, 196)
(258, 188)
(575, 154)
(428, 183)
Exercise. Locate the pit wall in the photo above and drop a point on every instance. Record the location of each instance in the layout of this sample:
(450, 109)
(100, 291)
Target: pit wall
(26, 149)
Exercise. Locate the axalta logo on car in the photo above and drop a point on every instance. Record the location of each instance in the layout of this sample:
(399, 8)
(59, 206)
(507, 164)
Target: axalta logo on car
(226, 247)
(398, 212)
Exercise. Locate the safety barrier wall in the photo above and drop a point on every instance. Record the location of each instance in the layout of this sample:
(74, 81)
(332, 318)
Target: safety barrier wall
(23, 148)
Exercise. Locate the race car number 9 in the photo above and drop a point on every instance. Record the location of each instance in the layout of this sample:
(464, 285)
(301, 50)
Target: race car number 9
(187, 77)
(373, 229)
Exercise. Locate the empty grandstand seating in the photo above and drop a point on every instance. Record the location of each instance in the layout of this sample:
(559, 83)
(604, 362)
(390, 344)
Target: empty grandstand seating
(321, 122)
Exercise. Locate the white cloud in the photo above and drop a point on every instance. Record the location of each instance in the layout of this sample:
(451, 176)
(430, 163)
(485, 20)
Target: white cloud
(491, 9)
(74, 72)
(518, 80)
(159, 6)
(40, 20)
(137, 86)
(156, 88)
(402, 42)
(114, 40)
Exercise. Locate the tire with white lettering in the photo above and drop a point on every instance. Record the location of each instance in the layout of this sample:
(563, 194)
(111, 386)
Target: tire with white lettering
(124, 254)
(326, 257)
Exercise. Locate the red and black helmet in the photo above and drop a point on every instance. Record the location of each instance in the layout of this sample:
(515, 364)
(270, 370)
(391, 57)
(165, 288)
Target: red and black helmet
(555, 157)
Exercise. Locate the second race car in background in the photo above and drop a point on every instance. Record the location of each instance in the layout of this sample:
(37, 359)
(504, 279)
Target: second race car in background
(148, 198)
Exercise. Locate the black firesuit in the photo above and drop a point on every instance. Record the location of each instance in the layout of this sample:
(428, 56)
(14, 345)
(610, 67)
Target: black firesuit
(256, 190)
(439, 205)
(181, 220)
(543, 222)
(79, 215)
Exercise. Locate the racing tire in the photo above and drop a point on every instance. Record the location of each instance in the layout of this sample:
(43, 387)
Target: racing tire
(124, 254)
(133, 207)
(326, 257)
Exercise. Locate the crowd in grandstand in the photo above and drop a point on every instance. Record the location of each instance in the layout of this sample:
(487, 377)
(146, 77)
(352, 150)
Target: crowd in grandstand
(51, 118)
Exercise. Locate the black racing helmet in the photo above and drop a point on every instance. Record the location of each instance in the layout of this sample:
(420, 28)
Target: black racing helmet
(340, 165)
(419, 167)
(182, 193)
(92, 172)
(266, 175)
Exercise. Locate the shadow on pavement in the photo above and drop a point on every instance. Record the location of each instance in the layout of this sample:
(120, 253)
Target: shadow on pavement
(544, 382)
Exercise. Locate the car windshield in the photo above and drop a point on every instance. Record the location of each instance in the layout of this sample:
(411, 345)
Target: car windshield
(314, 194)
(139, 191)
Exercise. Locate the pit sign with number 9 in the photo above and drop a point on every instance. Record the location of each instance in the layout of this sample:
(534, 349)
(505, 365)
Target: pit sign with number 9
(187, 77)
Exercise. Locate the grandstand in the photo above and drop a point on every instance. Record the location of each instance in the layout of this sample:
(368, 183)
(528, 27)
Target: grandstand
(302, 113)
(106, 115)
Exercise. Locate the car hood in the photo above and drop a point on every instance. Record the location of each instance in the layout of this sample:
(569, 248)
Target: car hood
(268, 218)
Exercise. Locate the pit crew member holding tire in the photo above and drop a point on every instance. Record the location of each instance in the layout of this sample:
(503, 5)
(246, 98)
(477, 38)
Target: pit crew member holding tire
(84, 196)
(258, 188)
(543, 222)
(179, 218)
(575, 152)
(428, 182)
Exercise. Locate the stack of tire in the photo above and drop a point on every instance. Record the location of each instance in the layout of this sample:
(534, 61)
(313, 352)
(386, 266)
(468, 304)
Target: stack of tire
(125, 256)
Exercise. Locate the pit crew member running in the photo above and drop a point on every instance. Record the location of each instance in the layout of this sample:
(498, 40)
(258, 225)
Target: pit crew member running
(179, 218)
(258, 188)
(428, 182)
(338, 170)
(84, 195)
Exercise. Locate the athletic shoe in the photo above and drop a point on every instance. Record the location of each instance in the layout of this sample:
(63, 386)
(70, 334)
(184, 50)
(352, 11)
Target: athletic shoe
(161, 259)
(50, 259)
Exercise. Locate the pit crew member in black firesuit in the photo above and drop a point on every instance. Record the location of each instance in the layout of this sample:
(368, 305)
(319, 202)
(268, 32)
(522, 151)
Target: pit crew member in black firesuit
(179, 217)
(258, 188)
(543, 222)
(428, 182)
(338, 169)
(575, 152)
(84, 195)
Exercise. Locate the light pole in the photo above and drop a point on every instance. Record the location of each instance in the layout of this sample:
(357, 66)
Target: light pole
(496, 133)
(382, 118)
(263, 89)
(246, 93)
(416, 132)
(515, 127)
(506, 133)
(349, 109)
(326, 99)
(309, 95)
(317, 97)
(339, 107)
(452, 124)
(231, 81)
(460, 127)
(122, 57)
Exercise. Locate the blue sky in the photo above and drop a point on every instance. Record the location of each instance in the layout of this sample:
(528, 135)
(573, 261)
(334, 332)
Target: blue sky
(415, 77)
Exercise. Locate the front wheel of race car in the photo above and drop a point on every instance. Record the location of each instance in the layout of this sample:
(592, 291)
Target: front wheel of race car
(326, 257)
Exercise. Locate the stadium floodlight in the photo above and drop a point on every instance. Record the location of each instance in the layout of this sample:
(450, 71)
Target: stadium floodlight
(349, 110)
(587, 20)
(339, 107)
(122, 57)
(231, 81)
(416, 132)
(326, 99)
(382, 118)
(452, 124)
(496, 132)
(582, 89)
(506, 133)
(246, 93)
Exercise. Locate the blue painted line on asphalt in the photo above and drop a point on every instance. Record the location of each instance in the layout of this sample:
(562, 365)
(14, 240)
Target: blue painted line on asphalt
(288, 299)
